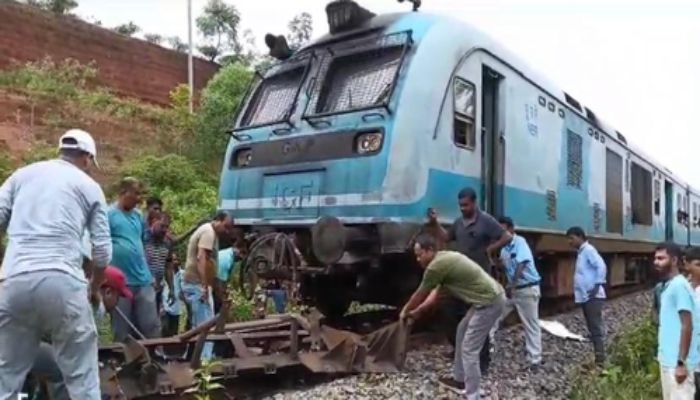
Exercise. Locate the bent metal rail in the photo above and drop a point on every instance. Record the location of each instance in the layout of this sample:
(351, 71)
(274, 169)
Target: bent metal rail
(131, 371)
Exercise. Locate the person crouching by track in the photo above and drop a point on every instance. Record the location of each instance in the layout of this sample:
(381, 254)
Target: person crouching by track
(46, 368)
(523, 290)
(466, 280)
(201, 271)
(679, 324)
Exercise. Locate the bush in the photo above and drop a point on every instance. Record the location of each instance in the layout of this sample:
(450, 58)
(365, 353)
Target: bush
(50, 79)
(633, 372)
(220, 101)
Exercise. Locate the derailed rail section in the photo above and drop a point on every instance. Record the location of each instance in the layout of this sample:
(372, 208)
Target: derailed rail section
(142, 369)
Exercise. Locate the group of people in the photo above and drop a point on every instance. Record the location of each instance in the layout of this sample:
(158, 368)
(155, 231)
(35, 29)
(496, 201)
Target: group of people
(71, 258)
(677, 312)
(462, 282)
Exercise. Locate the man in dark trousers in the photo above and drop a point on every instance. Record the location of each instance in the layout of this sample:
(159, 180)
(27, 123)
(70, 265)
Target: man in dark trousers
(478, 236)
(589, 293)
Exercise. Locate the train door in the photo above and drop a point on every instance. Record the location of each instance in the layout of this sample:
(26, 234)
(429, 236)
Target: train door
(668, 192)
(492, 143)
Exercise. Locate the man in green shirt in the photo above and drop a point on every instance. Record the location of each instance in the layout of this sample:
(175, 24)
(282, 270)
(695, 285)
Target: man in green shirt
(468, 282)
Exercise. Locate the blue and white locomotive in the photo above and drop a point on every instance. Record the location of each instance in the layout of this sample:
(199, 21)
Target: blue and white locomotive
(346, 143)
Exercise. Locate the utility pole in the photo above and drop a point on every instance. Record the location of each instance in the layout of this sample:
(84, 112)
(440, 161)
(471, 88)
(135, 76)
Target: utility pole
(190, 70)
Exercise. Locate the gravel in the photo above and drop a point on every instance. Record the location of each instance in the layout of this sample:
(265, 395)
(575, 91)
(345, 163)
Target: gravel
(507, 378)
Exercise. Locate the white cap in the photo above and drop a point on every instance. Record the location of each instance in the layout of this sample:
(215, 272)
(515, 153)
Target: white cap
(81, 140)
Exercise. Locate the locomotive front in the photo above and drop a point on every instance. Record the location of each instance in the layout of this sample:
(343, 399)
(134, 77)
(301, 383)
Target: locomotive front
(307, 163)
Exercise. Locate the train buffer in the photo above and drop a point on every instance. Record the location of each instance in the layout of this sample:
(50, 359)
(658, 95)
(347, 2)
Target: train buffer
(143, 369)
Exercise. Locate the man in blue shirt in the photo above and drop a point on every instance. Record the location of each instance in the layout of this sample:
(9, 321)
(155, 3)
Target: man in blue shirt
(589, 278)
(126, 226)
(523, 290)
(678, 326)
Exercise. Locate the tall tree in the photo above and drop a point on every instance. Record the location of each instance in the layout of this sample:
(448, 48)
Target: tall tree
(128, 29)
(219, 27)
(300, 30)
(55, 6)
(153, 38)
(177, 44)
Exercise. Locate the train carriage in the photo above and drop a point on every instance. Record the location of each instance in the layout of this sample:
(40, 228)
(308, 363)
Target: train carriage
(345, 143)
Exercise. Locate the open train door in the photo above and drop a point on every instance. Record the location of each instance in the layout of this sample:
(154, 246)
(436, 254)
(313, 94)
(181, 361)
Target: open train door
(493, 143)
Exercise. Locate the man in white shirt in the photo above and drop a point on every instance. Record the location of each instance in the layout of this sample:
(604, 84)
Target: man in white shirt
(47, 206)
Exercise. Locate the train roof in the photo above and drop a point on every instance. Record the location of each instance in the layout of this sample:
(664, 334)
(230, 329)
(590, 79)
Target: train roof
(478, 38)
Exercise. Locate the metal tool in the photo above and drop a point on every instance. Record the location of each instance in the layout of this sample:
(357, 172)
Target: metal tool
(131, 325)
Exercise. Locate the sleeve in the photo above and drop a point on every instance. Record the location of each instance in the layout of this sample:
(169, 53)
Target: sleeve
(451, 231)
(225, 260)
(206, 241)
(493, 230)
(523, 254)
(98, 225)
(598, 265)
(684, 298)
(7, 196)
(432, 278)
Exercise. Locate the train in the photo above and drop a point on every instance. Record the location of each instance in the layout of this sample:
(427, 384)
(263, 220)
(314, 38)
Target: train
(341, 146)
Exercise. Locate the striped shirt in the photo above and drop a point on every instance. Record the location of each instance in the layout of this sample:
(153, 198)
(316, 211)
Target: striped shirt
(47, 207)
(157, 254)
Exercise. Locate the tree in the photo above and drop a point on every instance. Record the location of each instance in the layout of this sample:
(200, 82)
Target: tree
(176, 44)
(300, 30)
(219, 27)
(55, 6)
(153, 38)
(210, 52)
(220, 100)
(128, 29)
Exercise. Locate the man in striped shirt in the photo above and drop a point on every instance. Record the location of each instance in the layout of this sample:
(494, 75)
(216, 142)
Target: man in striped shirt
(158, 251)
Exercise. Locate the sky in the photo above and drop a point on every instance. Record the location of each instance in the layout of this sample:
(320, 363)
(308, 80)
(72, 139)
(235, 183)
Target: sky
(635, 63)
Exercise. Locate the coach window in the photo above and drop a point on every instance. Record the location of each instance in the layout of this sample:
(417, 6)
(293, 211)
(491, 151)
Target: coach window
(657, 197)
(641, 195)
(465, 106)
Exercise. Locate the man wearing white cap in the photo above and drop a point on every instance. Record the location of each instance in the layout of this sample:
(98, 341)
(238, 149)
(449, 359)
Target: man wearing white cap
(46, 207)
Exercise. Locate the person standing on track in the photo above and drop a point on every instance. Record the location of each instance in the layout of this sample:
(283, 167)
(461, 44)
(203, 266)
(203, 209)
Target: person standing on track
(466, 280)
(200, 271)
(47, 207)
(478, 236)
(589, 278)
(129, 255)
(679, 324)
(523, 290)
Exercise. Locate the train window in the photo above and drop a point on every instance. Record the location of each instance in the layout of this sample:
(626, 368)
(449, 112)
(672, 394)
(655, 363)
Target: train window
(657, 197)
(641, 194)
(274, 98)
(627, 174)
(572, 102)
(679, 202)
(464, 109)
(574, 160)
(359, 80)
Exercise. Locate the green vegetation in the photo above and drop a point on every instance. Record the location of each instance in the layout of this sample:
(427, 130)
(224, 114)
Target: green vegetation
(633, 372)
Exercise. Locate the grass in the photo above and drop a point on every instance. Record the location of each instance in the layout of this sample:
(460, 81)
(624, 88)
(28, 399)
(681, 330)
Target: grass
(633, 372)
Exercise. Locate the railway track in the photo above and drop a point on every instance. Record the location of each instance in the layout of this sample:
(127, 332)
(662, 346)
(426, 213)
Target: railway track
(276, 354)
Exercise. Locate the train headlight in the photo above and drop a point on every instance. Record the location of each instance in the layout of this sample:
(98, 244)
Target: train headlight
(367, 143)
(242, 157)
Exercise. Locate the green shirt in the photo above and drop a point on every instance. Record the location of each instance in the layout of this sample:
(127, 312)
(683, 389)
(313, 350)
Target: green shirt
(461, 277)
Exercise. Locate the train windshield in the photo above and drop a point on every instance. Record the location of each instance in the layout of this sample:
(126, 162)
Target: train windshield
(359, 80)
(275, 96)
(345, 76)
